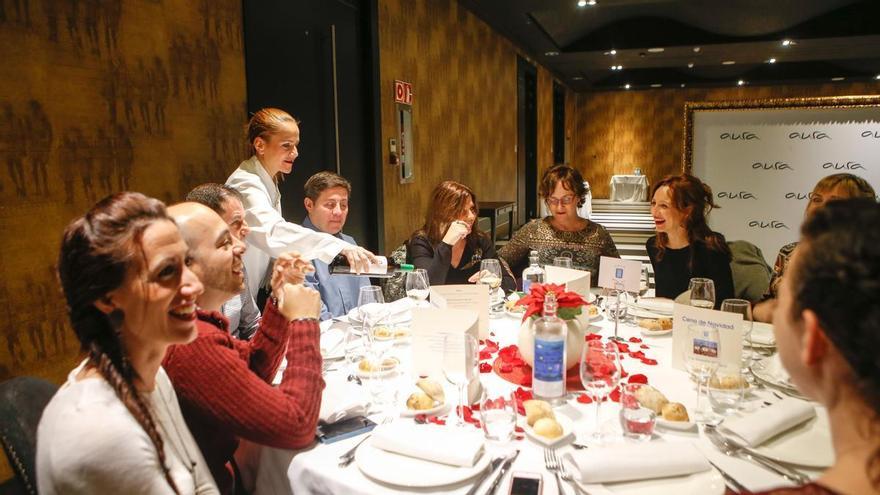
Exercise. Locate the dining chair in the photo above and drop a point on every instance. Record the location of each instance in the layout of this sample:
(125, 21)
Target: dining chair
(22, 401)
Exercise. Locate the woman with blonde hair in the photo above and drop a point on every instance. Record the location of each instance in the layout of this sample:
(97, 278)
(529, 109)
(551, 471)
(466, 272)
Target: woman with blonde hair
(273, 138)
(449, 245)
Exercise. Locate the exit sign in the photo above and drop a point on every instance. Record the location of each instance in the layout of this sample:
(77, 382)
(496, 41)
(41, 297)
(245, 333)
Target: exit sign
(403, 92)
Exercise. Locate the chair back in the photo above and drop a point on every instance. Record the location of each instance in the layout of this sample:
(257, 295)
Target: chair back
(22, 401)
(751, 274)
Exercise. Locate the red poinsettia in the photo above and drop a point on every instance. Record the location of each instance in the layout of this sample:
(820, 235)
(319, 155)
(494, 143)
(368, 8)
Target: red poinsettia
(569, 304)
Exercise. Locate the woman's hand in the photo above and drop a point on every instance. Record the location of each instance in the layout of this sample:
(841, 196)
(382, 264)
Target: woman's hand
(457, 231)
(478, 275)
(359, 259)
(298, 301)
(289, 268)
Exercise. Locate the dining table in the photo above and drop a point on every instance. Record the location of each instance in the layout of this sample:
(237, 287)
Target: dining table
(316, 469)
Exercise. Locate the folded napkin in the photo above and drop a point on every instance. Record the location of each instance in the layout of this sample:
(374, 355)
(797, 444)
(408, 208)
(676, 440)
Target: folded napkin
(342, 399)
(629, 462)
(454, 446)
(762, 333)
(395, 312)
(656, 304)
(331, 341)
(767, 422)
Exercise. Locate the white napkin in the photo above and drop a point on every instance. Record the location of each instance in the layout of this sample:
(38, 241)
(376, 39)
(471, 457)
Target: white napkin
(628, 462)
(762, 333)
(454, 446)
(398, 311)
(342, 399)
(656, 304)
(767, 422)
(331, 340)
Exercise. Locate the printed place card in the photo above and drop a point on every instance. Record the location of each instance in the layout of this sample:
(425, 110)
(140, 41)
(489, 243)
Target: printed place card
(430, 326)
(574, 280)
(615, 273)
(691, 334)
(472, 297)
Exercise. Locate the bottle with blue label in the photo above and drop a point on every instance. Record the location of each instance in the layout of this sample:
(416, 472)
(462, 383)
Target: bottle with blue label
(533, 273)
(548, 372)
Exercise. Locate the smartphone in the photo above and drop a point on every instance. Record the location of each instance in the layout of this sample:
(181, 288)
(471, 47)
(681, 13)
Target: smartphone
(344, 429)
(523, 483)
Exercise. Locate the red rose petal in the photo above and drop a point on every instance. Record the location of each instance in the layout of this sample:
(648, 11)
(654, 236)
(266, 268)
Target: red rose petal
(615, 395)
(643, 346)
(517, 429)
(506, 368)
(650, 362)
(635, 340)
(593, 336)
(584, 399)
(638, 378)
(485, 368)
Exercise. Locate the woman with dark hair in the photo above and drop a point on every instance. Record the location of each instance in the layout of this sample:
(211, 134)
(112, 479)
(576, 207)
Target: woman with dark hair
(835, 186)
(685, 247)
(563, 233)
(115, 426)
(449, 245)
(826, 327)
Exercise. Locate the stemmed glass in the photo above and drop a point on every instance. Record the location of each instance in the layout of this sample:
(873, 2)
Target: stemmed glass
(702, 292)
(644, 281)
(417, 285)
(616, 307)
(490, 274)
(372, 310)
(562, 261)
(743, 307)
(459, 350)
(600, 374)
(701, 358)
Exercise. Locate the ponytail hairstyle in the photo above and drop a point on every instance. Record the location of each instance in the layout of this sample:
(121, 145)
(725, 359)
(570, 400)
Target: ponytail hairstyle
(691, 196)
(98, 249)
(263, 124)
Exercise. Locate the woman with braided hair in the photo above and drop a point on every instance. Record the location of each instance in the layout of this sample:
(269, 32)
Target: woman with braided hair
(115, 426)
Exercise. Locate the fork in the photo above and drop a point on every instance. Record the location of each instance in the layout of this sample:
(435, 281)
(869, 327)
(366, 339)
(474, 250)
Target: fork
(346, 458)
(554, 464)
(734, 449)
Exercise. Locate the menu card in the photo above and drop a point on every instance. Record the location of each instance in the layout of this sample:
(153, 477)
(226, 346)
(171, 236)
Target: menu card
(429, 327)
(472, 297)
(574, 280)
(616, 273)
(727, 350)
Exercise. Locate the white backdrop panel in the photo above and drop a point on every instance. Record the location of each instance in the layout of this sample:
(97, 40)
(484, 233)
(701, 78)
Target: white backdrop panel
(763, 163)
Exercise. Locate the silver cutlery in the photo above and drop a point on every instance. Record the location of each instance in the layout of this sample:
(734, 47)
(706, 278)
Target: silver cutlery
(504, 467)
(489, 470)
(734, 449)
(554, 465)
(731, 481)
(346, 458)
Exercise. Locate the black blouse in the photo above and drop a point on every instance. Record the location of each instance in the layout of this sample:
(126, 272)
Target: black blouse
(437, 260)
(672, 274)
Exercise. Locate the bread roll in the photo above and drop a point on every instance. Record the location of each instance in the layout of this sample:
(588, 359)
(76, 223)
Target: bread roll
(433, 389)
(419, 401)
(728, 382)
(537, 409)
(651, 398)
(673, 411)
(548, 428)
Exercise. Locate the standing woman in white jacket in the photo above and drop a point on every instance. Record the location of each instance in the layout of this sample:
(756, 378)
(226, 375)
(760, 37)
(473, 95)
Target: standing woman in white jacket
(273, 136)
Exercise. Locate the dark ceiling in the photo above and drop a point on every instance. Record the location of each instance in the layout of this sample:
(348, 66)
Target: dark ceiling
(670, 43)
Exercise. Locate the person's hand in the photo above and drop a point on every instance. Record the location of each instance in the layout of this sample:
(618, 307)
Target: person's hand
(289, 268)
(359, 259)
(298, 301)
(478, 275)
(457, 231)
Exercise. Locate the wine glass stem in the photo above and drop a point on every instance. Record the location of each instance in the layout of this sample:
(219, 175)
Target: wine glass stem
(699, 396)
(598, 433)
(461, 401)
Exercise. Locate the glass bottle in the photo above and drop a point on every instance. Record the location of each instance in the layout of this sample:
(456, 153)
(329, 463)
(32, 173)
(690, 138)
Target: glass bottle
(548, 372)
(533, 273)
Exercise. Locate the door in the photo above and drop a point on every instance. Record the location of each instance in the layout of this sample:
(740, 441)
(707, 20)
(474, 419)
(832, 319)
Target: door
(527, 141)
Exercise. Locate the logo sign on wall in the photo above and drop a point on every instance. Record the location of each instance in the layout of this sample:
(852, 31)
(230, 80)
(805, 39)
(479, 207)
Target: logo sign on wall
(403, 92)
(762, 164)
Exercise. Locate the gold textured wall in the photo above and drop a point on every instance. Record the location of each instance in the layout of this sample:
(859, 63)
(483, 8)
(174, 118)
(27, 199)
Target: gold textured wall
(620, 130)
(97, 97)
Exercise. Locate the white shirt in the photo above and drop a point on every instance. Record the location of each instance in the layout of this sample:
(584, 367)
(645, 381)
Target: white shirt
(88, 442)
(270, 235)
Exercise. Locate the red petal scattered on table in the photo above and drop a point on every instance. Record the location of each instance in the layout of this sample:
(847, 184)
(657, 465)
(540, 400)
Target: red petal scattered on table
(643, 346)
(485, 354)
(637, 354)
(638, 378)
(436, 420)
(650, 362)
(485, 368)
(635, 340)
(622, 346)
(517, 429)
(615, 395)
(584, 399)
(593, 336)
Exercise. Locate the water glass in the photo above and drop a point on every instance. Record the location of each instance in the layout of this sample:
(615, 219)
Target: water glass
(562, 261)
(490, 274)
(726, 390)
(417, 285)
(702, 292)
(637, 421)
(498, 417)
(355, 346)
(743, 307)
(701, 359)
(382, 383)
(644, 281)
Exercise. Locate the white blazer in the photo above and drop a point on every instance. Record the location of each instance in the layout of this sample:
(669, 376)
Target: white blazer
(270, 234)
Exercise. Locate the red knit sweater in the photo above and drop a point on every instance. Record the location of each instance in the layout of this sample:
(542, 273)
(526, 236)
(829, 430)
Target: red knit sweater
(224, 387)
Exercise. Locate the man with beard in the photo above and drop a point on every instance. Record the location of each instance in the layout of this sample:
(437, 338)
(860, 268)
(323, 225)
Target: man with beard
(224, 384)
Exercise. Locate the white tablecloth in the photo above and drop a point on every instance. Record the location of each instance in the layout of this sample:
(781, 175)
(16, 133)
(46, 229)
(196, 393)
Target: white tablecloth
(315, 470)
(629, 188)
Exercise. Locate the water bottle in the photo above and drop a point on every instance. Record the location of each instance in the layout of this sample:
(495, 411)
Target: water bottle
(548, 371)
(383, 269)
(533, 273)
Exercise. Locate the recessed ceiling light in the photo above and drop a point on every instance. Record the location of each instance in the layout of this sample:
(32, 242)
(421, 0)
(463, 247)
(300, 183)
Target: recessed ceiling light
(656, 85)
(656, 50)
(877, 77)
(740, 82)
(771, 61)
(577, 78)
(591, 2)
(626, 86)
(682, 85)
(728, 62)
(582, 3)
(788, 42)
(551, 54)
(612, 52)
(690, 65)
(616, 67)
(838, 78)
(696, 49)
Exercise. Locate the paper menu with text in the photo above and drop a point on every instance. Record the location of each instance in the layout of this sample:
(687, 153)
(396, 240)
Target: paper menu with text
(616, 273)
(730, 335)
(574, 280)
(472, 297)
(429, 327)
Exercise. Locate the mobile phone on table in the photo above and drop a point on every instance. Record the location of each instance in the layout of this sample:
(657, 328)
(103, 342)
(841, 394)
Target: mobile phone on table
(346, 428)
(523, 483)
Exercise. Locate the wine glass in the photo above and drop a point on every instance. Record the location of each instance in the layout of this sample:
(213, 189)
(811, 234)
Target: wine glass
(498, 417)
(417, 285)
(644, 281)
(600, 374)
(701, 359)
(702, 292)
(562, 261)
(743, 307)
(490, 274)
(459, 350)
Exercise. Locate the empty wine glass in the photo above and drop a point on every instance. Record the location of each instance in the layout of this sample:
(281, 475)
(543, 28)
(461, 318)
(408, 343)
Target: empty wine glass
(417, 285)
(702, 292)
(460, 356)
(490, 274)
(701, 359)
(600, 374)
(562, 261)
(743, 307)
(644, 281)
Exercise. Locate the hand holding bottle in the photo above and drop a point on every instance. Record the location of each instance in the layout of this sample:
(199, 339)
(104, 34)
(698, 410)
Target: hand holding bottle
(457, 231)
(359, 259)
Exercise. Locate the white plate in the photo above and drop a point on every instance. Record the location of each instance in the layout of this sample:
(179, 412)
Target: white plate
(401, 470)
(434, 411)
(654, 333)
(705, 483)
(656, 305)
(374, 374)
(770, 370)
(676, 425)
(567, 432)
(808, 444)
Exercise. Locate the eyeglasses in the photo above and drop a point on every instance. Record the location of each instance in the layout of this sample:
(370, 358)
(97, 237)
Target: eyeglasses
(566, 200)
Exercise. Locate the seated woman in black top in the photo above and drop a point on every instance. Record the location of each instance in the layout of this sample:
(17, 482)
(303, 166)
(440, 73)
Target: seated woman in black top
(684, 246)
(449, 245)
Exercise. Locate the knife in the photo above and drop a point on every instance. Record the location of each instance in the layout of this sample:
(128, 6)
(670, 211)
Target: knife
(504, 467)
(492, 467)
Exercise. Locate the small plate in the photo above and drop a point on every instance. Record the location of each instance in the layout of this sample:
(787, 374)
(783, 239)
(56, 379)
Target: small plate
(385, 371)
(676, 425)
(654, 333)
(437, 410)
(567, 432)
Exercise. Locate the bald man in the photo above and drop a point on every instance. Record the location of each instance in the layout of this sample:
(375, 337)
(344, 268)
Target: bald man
(224, 385)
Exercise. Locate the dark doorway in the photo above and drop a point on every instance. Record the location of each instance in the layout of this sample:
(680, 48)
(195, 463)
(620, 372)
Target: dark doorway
(559, 141)
(527, 141)
(315, 59)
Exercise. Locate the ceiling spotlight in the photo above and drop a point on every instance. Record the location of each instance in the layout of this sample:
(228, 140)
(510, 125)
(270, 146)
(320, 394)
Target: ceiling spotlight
(626, 86)
(696, 49)
(582, 3)
(551, 54)
(728, 62)
(771, 61)
(656, 50)
(682, 85)
(838, 78)
(591, 2)
(616, 67)
(788, 42)
(612, 52)
(740, 82)
(877, 77)
(690, 65)
(656, 85)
